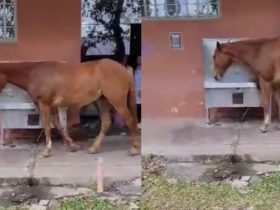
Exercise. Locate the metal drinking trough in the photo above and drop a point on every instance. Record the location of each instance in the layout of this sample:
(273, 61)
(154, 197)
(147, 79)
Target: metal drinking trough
(18, 111)
(236, 89)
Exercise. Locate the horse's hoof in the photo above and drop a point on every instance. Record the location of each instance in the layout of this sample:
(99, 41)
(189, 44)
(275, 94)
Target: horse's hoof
(74, 147)
(134, 151)
(45, 154)
(92, 150)
(263, 129)
(212, 122)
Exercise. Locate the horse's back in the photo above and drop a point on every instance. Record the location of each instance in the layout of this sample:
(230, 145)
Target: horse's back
(112, 77)
(59, 78)
(106, 65)
(107, 68)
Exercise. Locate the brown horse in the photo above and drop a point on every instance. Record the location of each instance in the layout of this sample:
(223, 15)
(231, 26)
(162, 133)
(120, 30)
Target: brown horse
(55, 84)
(262, 56)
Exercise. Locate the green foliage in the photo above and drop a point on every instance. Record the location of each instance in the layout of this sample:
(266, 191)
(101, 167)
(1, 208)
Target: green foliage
(89, 203)
(159, 194)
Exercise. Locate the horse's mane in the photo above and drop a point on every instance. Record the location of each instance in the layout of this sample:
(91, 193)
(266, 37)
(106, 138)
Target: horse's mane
(251, 41)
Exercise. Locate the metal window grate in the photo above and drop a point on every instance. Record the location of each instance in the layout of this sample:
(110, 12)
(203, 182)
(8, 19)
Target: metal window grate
(170, 9)
(7, 20)
(237, 98)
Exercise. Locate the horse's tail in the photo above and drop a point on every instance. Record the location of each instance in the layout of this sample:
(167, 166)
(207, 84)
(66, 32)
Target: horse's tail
(131, 100)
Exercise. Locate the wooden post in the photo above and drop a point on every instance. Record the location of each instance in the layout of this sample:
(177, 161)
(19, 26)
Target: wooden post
(1, 130)
(100, 176)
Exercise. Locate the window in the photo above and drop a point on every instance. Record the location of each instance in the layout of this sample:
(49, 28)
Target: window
(175, 40)
(7, 20)
(170, 9)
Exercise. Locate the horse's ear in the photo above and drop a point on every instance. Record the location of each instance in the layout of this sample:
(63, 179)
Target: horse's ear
(218, 46)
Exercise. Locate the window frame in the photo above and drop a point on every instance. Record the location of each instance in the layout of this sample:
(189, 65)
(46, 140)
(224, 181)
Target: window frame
(165, 18)
(12, 40)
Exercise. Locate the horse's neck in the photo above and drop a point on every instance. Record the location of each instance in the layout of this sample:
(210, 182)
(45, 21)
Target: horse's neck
(16, 74)
(242, 52)
(19, 81)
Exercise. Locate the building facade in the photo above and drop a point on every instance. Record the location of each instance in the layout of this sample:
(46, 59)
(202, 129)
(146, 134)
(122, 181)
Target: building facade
(43, 33)
(173, 78)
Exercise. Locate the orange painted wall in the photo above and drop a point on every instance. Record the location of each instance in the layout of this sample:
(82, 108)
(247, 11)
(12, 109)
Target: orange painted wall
(172, 79)
(47, 30)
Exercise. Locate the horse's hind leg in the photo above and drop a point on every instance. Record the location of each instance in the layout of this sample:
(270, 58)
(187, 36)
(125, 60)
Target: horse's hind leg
(131, 124)
(67, 139)
(105, 124)
(277, 99)
(132, 127)
(45, 114)
(276, 91)
(266, 95)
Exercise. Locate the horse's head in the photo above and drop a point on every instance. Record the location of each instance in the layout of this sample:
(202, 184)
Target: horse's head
(221, 62)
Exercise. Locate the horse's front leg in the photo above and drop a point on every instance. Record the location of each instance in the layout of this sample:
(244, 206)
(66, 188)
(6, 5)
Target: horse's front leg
(266, 96)
(45, 114)
(105, 125)
(67, 139)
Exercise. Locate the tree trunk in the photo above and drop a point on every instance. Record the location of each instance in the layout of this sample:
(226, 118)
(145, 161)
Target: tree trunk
(117, 30)
(83, 53)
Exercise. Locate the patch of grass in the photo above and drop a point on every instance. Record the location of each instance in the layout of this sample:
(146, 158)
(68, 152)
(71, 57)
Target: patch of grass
(93, 186)
(158, 194)
(92, 203)
(22, 207)
(82, 202)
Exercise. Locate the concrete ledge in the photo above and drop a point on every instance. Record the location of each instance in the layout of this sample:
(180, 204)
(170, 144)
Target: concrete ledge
(259, 152)
(185, 140)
